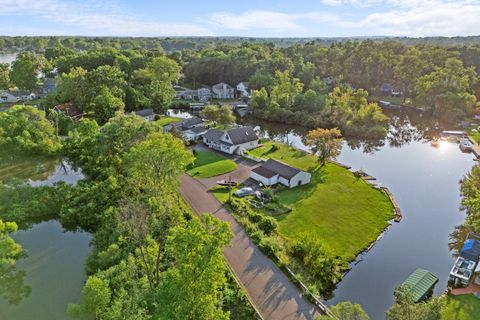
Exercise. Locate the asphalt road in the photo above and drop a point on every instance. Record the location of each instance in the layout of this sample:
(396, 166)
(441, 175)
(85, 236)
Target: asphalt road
(274, 296)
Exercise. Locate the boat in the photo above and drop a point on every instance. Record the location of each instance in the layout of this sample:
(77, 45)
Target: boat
(466, 145)
(227, 183)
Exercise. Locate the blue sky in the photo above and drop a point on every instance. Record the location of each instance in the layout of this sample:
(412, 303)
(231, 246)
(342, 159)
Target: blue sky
(252, 18)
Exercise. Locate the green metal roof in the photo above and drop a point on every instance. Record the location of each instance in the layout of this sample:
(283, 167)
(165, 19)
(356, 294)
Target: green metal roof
(421, 282)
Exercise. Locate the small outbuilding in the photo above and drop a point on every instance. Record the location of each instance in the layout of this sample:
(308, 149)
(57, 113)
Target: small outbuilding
(422, 283)
(147, 114)
(274, 172)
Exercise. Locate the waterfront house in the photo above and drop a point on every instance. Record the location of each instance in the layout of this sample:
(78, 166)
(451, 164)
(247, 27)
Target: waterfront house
(231, 141)
(146, 114)
(201, 94)
(223, 91)
(274, 172)
(243, 90)
(422, 282)
(48, 86)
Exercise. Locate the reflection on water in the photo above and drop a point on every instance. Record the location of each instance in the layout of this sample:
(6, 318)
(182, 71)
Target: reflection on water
(41, 285)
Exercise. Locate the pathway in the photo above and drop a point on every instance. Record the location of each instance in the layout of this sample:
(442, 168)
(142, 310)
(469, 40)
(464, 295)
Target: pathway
(274, 296)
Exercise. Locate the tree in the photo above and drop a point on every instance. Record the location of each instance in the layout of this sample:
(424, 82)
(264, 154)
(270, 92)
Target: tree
(27, 129)
(221, 116)
(156, 163)
(25, 70)
(448, 90)
(12, 287)
(105, 105)
(286, 89)
(190, 289)
(4, 76)
(347, 311)
(406, 308)
(326, 144)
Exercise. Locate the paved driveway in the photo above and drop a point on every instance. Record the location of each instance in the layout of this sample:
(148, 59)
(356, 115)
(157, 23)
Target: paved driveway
(273, 294)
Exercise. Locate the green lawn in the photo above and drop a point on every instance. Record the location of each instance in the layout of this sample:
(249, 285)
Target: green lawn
(208, 164)
(284, 153)
(464, 307)
(164, 120)
(345, 212)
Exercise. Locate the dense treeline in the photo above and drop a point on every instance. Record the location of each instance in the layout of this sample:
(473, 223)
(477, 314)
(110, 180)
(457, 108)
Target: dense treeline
(170, 44)
(442, 79)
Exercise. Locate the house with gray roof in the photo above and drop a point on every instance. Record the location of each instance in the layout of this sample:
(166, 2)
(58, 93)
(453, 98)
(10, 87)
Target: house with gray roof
(223, 91)
(192, 129)
(274, 172)
(231, 141)
(147, 114)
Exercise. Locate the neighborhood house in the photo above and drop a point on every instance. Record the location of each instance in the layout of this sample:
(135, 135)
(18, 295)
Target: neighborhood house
(146, 114)
(274, 172)
(223, 91)
(192, 129)
(16, 96)
(231, 141)
(243, 89)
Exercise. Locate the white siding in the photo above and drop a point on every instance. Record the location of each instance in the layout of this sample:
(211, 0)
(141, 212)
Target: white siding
(265, 181)
(300, 179)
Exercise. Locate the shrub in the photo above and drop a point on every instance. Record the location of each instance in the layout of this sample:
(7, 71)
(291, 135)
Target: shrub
(268, 225)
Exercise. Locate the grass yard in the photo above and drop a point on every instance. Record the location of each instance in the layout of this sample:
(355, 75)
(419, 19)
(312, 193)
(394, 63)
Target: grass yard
(164, 120)
(284, 153)
(345, 212)
(464, 307)
(208, 164)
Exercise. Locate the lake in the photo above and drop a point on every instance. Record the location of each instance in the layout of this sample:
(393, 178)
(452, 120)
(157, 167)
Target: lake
(424, 179)
(7, 57)
(54, 267)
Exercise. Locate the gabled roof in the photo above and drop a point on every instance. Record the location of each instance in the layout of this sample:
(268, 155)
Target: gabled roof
(213, 135)
(145, 112)
(187, 123)
(273, 167)
(470, 250)
(197, 130)
(242, 135)
(421, 281)
(221, 85)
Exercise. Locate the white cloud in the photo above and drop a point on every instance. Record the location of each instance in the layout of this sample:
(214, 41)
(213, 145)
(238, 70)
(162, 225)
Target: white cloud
(96, 18)
(267, 20)
(426, 18)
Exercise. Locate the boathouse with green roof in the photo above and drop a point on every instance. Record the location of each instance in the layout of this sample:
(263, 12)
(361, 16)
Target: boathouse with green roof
(422, 283)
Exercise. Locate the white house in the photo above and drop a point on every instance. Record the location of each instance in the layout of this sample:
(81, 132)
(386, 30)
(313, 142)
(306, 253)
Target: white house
(146, 114)
(243, 89)
(223, 91)
(231, 141)
(274, 172)
(16, 96)
(202, 94)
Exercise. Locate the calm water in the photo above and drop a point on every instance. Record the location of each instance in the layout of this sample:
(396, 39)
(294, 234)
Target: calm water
(7, 57)
(425, 182)
(54, 268)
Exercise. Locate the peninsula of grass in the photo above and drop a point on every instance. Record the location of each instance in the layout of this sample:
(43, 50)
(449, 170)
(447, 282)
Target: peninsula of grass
(463, 307)
(345, 212)
(208, 164)
(164, 120)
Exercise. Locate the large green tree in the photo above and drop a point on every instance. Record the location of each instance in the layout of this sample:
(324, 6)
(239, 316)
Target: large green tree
(25, 69)
(27, 129)
(406, 308)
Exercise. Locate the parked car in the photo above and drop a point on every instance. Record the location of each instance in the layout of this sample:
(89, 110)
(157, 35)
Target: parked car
(243, 192)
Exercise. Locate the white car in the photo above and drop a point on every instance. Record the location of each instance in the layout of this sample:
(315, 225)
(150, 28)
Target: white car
(243, 192)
